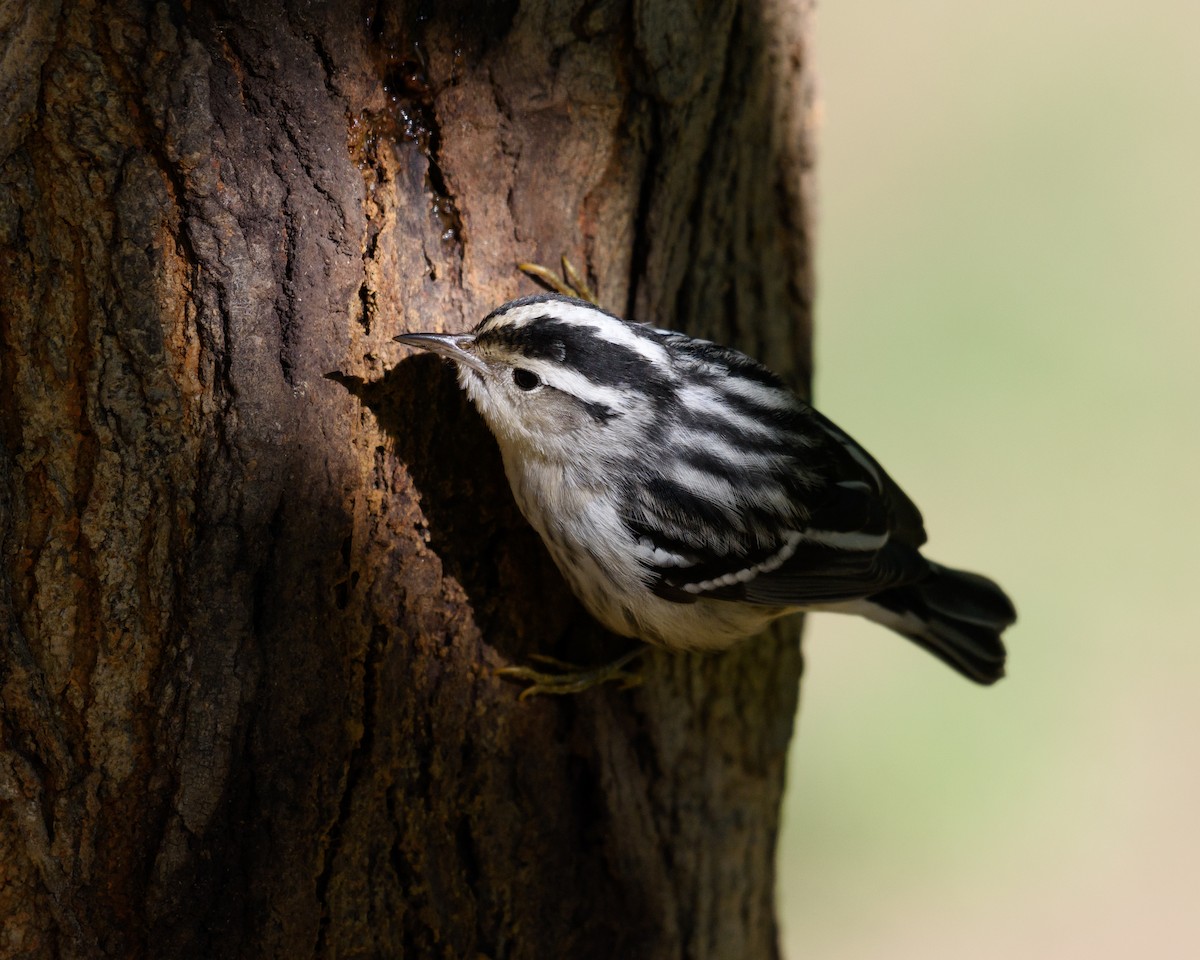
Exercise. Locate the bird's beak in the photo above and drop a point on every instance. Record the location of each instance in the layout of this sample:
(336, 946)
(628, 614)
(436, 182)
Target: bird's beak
(452, 346)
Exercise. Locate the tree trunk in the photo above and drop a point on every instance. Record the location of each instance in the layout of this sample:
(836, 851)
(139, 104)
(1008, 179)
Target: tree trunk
(257, 573)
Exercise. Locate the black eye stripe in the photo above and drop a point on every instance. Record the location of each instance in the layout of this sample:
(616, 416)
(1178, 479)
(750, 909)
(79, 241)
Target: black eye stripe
(525, 379)
(567, 344)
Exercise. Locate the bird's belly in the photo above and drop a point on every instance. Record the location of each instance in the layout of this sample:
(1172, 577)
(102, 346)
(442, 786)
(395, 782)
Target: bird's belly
(634, 611)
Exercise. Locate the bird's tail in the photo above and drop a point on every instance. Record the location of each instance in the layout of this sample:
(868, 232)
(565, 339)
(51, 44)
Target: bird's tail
(955, 615)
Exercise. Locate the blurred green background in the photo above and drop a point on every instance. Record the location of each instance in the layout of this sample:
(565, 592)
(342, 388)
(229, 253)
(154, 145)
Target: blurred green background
(1009, 319)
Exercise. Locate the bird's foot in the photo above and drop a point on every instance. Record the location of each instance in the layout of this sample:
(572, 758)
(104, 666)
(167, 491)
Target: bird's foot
(570, 678)
(571, 284)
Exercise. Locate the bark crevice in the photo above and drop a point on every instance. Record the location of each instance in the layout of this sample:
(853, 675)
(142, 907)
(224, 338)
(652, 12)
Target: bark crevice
(257, 570)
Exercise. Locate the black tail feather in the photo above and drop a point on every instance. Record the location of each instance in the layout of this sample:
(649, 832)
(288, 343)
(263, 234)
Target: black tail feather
(955, 615)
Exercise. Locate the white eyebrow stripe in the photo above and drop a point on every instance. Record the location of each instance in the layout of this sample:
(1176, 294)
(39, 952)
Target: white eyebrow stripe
(610, 329)
(618, 333)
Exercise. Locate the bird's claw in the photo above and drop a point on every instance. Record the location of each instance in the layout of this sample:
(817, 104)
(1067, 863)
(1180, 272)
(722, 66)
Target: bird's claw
(571, 284)
(573, 679)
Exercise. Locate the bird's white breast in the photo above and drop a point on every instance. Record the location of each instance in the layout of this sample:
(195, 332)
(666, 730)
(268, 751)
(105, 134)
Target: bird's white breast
(575, 513)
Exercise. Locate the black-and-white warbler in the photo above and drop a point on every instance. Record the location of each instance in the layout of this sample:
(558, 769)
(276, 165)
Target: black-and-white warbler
(689, 497)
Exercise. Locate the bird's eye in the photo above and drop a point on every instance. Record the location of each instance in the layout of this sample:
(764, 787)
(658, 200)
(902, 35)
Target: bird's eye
(525, 379)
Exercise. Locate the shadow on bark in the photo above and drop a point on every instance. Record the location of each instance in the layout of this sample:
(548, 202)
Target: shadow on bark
(247, 702)
(519, 600)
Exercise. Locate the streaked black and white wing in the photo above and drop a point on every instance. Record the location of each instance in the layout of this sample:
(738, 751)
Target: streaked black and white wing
(760, 499)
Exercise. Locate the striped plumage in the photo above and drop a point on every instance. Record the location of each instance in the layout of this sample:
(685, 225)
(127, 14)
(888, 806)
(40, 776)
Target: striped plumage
(689, 497)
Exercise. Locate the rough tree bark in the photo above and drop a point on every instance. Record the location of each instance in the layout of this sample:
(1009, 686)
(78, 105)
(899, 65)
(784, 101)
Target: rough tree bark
(257, 573)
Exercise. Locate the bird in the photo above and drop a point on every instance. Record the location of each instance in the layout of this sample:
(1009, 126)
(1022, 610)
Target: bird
(689, 497)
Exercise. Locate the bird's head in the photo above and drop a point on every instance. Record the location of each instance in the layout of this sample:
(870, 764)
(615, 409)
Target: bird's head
(556, 377)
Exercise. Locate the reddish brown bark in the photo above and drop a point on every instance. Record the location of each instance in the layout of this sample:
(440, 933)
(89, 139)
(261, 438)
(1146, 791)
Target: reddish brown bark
(257, 573)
